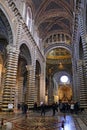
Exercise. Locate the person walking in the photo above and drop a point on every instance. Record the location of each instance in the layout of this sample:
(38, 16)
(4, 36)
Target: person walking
(24, 109)
(35, 106)
(53, 108)
(72, 107)
(56, 106)
(42, 109)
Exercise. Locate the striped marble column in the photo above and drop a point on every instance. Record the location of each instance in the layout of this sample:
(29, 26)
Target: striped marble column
(30, 88)
(42, 87)
(10, 77)
(75, 81)
(82, 89)
(20, 90)
(50, 91)
(37, 82)
(1, 84)
(84, 44)
(75, 74)
(75, 53)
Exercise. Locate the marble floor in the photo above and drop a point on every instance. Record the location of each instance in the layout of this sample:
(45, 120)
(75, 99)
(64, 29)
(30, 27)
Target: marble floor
(34, 121)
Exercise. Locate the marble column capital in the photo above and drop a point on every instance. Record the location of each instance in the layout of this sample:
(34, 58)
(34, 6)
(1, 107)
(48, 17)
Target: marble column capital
(29, 67)
(11, 48)
(80, 62)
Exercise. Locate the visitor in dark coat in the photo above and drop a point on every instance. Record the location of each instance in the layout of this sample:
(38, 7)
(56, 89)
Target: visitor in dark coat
(43, 109)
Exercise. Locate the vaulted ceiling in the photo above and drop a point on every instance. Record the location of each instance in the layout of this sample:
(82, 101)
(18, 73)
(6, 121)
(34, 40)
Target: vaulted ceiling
(55, 18)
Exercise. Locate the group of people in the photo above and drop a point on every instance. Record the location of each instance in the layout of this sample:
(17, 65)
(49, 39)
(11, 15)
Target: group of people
(62, 106)
(43, 108)
(54, 107)
(23, 107)
(71, 107)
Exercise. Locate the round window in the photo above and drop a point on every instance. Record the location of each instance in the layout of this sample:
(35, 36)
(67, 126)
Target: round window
(64, 79)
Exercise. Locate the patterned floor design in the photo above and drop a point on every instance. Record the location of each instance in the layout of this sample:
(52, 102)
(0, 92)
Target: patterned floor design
(37, 124)
(80, 120)
(47, 122)
(35, 121)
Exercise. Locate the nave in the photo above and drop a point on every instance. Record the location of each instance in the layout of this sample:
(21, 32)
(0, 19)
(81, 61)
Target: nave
(34, 121)
(43, 52)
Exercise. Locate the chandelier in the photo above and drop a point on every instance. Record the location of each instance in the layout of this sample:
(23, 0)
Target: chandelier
(60, 66)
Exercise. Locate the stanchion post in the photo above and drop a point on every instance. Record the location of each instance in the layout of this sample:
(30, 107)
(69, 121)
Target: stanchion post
(64, 116)
(2, 122)
(62, 125)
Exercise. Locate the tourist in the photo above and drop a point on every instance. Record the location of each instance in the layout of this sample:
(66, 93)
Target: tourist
(42, 109)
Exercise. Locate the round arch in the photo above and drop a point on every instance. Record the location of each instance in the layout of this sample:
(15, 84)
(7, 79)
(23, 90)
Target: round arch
(24, 52)
(62, 90)
(57, 45)
(58, 75)
(9, 24)
(29, 49)
(39, 62)
(38, 67)
(22, 73)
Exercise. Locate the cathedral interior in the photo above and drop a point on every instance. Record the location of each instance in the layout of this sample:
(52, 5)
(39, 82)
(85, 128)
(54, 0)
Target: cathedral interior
(43, 55)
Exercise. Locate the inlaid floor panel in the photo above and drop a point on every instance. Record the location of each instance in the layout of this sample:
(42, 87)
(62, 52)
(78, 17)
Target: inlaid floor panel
(34, 121)
(47, 122)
